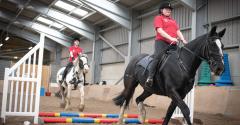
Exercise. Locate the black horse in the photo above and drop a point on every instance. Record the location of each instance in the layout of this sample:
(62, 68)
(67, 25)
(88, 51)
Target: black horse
(176, 78)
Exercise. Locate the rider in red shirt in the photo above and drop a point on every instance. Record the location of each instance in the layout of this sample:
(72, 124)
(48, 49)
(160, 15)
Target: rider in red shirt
(74, 51)
(167, 33)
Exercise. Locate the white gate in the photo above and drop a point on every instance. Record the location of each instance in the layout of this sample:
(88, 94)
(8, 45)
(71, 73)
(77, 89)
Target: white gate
(189, 100)
(22, 82)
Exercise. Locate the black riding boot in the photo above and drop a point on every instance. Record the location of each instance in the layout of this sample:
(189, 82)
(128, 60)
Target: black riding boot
(160, 49)
(69, 65)
(152, 70)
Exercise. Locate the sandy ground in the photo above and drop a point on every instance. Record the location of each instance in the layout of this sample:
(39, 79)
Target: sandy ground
(51, 104)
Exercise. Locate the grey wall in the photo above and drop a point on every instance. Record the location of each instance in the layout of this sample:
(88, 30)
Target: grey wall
(219, 12)
(119, 38)
(3, 64)
(112, 64)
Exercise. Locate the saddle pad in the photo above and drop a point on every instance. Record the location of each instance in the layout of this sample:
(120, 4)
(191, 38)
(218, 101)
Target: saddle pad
(144, 62)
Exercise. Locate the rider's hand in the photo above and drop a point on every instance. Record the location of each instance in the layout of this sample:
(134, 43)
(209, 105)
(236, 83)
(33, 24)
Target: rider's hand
(184, 41)
(174, 40)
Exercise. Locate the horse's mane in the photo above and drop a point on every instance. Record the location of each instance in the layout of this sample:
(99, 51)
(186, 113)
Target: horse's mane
(85, 55)
(199, 41)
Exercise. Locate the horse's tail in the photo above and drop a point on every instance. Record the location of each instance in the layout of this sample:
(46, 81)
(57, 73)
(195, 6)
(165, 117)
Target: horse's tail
(130, 83)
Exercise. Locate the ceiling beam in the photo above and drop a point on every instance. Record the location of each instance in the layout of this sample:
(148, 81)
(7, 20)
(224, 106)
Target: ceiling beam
(117, 13)
(191, 4)
(86, 34)
(14, 52)
(83, 28)
(140, 4)
(27, 36)
(38, 27)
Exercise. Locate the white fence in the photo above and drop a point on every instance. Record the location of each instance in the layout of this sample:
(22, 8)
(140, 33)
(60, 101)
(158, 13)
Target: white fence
(189, 100)
(22, 82)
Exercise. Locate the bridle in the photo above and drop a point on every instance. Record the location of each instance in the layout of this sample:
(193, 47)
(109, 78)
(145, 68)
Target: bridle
(206, 51)
(208, 58)
(86, 63)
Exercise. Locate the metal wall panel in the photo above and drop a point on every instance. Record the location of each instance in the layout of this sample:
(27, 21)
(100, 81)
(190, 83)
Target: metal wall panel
(111, 73)
(54, 69)
(183, 16)
(4, 64)
(234, 59)
(86, 45)
(223, 10)
(65, 55)
(116, 36)
(147, 46)
(111, 56)
(147, 29)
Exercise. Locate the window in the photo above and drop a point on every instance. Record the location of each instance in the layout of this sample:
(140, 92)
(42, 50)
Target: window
(71, 8)
(80, 12)
(49, 22)
(44, 20)
(57, 25)
(64, 5)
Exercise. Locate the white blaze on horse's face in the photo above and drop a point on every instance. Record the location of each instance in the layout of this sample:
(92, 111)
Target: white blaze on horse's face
(219, 44)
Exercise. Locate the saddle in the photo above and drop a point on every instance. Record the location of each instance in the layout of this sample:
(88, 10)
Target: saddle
(146, 61)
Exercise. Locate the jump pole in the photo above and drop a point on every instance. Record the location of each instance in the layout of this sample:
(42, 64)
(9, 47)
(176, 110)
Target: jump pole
(89, 115)
(98, 120)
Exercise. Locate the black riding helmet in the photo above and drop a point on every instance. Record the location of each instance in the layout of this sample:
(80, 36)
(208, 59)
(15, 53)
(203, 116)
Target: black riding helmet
(74, 39)
(165, 5)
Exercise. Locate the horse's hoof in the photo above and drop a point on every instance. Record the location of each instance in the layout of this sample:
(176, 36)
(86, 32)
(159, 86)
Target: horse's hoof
(120, 123)
(66, 109)
(81, 108)
(62, 105)
(142, 117)
(142, 112)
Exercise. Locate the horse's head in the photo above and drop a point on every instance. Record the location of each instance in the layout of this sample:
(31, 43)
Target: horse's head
(214, 51)
(83, 63)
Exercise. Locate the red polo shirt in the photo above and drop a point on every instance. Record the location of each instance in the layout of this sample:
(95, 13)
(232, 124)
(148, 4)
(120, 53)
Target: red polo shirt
(168, 24)
(75, 50)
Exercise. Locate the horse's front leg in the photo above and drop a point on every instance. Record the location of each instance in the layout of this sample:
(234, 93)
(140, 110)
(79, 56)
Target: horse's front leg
(178, 100)
(121, 114)
(69, 88)
(141, 108)
(82, 105)
(62, 104)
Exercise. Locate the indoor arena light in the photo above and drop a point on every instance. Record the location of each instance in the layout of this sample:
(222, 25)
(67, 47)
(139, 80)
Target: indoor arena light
(7, 38)
(64, 5)
(80, 12)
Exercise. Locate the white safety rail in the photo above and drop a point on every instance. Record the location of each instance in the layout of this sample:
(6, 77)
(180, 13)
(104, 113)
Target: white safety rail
(22, 82)
(189, 100)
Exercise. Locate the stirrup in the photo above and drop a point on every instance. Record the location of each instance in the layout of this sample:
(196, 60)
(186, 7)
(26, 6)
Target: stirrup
(149, 82)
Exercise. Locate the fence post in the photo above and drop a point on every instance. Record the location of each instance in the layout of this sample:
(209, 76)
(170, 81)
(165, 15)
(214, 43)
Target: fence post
(39, 78)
